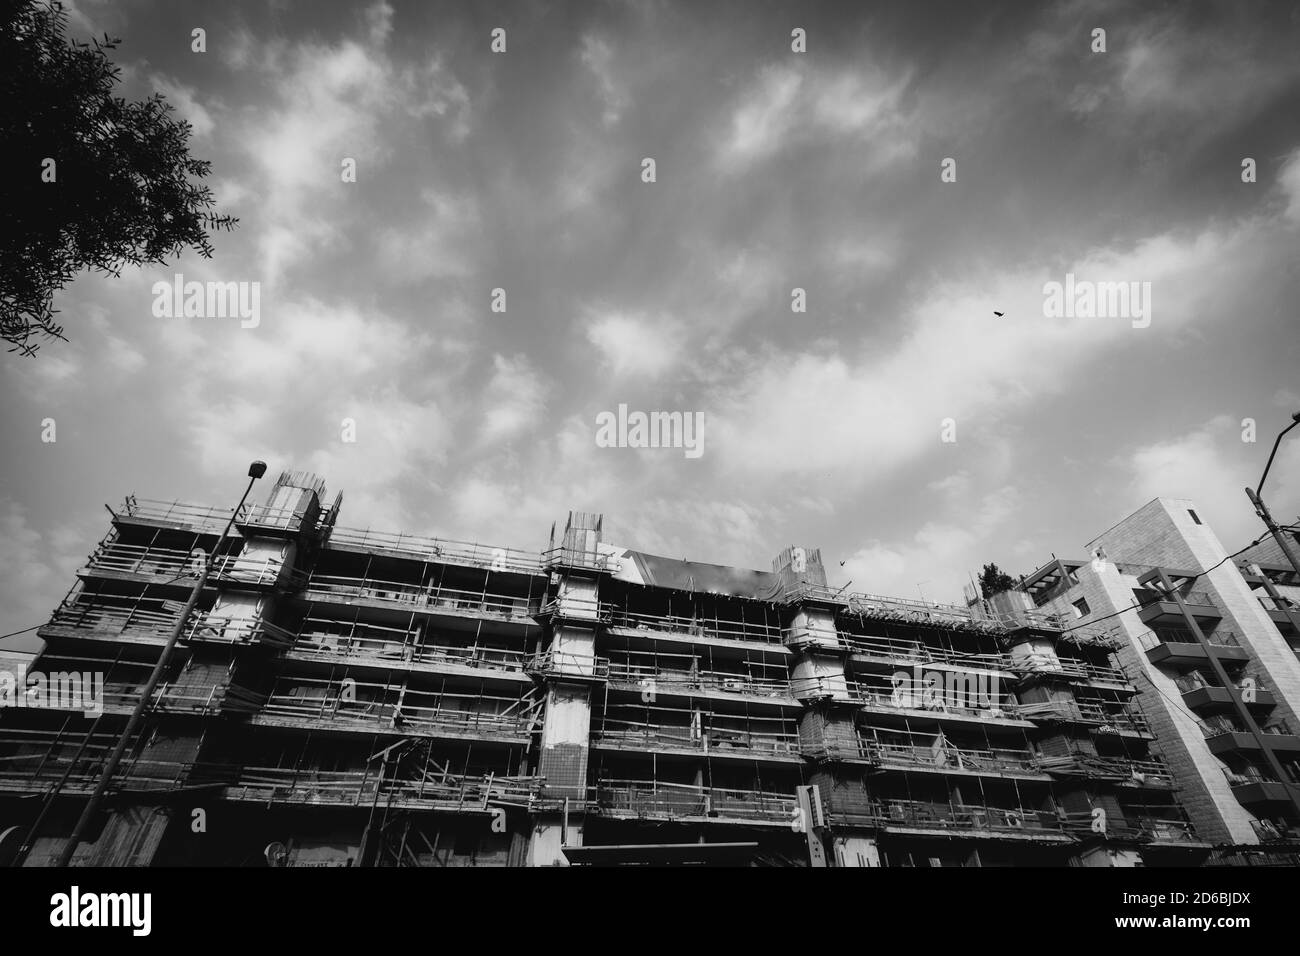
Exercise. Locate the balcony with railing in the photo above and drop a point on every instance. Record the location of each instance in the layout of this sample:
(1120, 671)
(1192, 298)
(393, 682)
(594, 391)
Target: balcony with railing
(36, 762)
(954, 697)
(1225, 734)
(894, 751)
(348, 705)
(654, 800)
(1178, 648)
(437, 550)
(686, 675)
(105, 617)
(144, 563)
(1151, 771)
(1073, 669)
(877, 607)
(1253, 787)
(1158, 608)
(172, 514)
(921, 816)
(669, 730)
(1204, 697)
(424, 790)
(399, 648)
(575, 559)
(895, 651)
(429, 599)
(695, 628)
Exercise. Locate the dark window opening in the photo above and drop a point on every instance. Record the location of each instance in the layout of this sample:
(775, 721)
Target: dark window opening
(1194, 515)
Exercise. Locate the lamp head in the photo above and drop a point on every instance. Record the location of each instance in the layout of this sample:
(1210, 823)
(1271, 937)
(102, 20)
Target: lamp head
(257, 469)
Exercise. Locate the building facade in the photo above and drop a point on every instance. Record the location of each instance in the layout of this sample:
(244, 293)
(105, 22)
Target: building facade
(344, 697)
(1209, 643)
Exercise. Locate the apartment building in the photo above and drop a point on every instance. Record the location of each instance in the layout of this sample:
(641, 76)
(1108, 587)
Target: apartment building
(347, 697)
(1210, 645)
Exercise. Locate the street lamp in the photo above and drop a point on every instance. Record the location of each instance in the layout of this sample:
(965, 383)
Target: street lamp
(255, 471)
(1288, 548)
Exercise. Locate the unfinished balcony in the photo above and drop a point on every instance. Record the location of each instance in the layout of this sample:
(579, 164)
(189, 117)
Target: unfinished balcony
(349, 706)
(430, 600)
(972, 821)
(1038, 667)
(696, 630)
(1147, 772)
(903, 652)
(952, 700)
(431, 550)
(1098, 716)
(684, 803)
(693, 677)
(876, 607)
(144, 564)
(330, 642)
(112, 618)
(151, 513)
(42, 761)
(892, 750)
(406, 788)
(1180, 649)
(682, 732)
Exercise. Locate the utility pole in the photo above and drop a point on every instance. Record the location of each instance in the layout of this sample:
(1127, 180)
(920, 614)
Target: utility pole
(255, 471)
(1287, 546)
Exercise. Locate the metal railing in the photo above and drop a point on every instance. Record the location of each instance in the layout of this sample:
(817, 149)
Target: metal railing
(647, 676)
(694, 626)
(325, 646)
(427, 597)
(441, 550)
(643, 798)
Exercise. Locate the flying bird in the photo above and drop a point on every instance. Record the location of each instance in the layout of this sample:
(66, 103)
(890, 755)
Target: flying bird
(998, 314)
(841, 564)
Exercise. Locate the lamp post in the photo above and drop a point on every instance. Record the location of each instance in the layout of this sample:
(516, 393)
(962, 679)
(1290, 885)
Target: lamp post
(1288, 547)
(255, 471)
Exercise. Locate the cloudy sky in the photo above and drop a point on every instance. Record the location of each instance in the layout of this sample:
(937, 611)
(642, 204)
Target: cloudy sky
(775, 170)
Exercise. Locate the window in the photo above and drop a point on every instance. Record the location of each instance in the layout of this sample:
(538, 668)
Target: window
(1081, 608)
(1194, 515)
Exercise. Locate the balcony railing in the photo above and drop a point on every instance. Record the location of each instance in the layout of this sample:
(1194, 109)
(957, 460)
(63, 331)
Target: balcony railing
(393, 652)
(371, 708)
(151, 562)
(895, 650)
(363, 788)
(713, 740)
(582, 560)
(632, 675)
(949, 758)
(880, 607)
(1070, 667)
(1152, 770)
(643, 798)
(175, 512)
(414, 596)
(694, 626)
(102, 619)
(441, 550)
(920, 814)
(205, 626)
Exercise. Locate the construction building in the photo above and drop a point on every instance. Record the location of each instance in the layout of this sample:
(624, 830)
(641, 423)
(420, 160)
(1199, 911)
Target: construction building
(344, 697)
(1210, 644)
